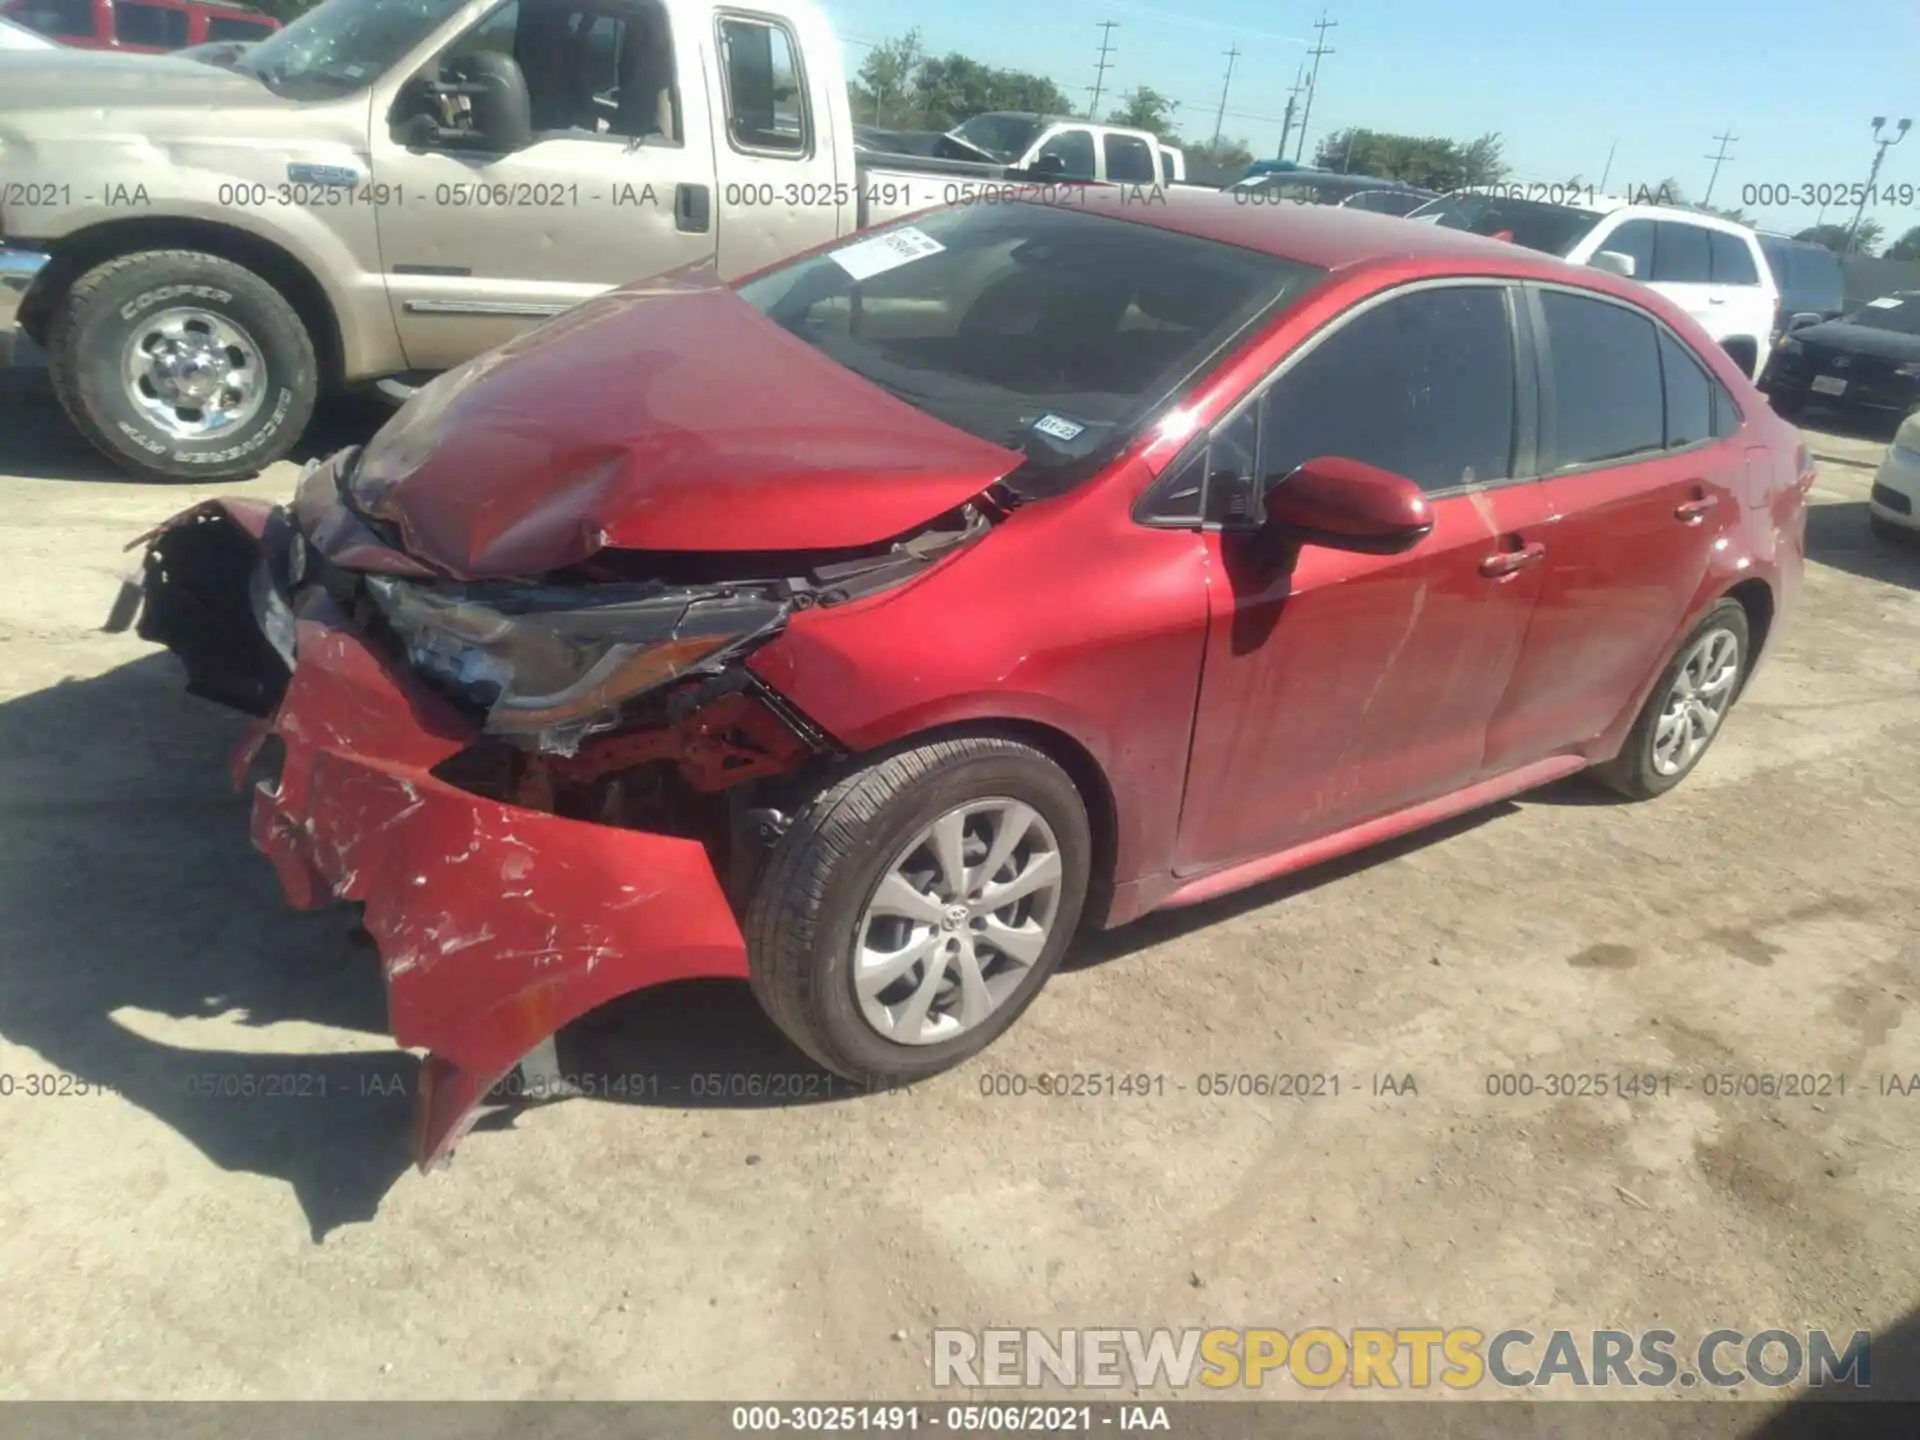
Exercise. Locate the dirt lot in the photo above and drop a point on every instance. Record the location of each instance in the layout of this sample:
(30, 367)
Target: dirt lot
(171, 1244)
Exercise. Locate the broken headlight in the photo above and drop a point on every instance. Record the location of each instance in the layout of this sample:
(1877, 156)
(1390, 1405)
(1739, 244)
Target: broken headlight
(556, 663)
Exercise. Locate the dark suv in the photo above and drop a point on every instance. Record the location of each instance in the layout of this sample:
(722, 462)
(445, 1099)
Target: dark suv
(1808, 276)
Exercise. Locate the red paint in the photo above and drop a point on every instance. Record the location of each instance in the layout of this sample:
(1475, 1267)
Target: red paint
(103, 32)
(1234, 708)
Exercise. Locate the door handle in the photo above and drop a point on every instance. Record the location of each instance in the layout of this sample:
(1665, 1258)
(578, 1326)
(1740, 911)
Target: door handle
(1716, 299)
(1509, 561)
(692, 209)
(1692, 512)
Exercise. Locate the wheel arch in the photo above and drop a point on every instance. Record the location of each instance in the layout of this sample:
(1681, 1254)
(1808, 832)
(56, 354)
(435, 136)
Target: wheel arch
(1755, 596)
(80, 252)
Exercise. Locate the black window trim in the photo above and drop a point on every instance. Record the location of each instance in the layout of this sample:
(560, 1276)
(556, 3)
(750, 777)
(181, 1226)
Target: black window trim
(1543, 381)
(1526, 401)
(785, 27)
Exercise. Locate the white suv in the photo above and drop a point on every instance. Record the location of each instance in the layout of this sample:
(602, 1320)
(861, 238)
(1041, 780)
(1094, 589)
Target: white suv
(1711, 268)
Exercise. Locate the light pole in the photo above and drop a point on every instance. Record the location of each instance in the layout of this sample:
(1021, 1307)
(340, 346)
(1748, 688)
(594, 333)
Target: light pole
(1900, 133)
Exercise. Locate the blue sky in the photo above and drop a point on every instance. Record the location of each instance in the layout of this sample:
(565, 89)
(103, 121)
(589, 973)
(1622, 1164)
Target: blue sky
(1561, 82)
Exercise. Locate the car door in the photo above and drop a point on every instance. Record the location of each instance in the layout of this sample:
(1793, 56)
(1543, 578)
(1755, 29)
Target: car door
(1342, 686)
(616, 184)
(1639, 478)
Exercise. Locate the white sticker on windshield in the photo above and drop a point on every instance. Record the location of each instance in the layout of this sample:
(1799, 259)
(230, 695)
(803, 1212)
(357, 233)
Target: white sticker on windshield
(1058, 427)
(1886, 302)
(886, 252)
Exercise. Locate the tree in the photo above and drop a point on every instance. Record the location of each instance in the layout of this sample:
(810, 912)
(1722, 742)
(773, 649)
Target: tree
(1145, 108)
(954, 87)
(883, 88)
(1429, 161)
(1226, 154)
(1834, 237)
(1907, 247)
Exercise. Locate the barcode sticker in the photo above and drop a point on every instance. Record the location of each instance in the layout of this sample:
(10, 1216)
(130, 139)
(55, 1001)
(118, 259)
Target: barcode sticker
(890, 251)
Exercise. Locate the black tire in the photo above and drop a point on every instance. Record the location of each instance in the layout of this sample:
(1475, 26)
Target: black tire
(98, 317)
(809, 896)
(1632, 772)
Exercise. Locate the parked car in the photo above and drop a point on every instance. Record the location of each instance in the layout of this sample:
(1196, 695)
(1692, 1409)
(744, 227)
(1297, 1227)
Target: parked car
(1324, 187)
(1250, 536)
(1865, 365)
(381, 191)
(18, 37)
(149, 27)
(1712, 268)
(1808, 276)
(1893, 505)
(1070, 149)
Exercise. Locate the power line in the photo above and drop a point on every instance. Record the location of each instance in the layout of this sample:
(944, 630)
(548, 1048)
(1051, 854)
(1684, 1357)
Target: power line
(1320, 47)
(1107, 27)
(1221, 118)
(1724, 140)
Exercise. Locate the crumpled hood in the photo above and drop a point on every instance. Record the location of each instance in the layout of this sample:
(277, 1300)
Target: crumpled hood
(667, 415)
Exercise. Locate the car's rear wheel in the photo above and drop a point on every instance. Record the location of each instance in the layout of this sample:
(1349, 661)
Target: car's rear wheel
(916, 906)
(183, 366)
(1686, 708)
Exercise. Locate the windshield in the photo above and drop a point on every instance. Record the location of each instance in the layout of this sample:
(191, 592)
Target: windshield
(1898, 313)
(1003, 136)
(1555, 229)
(342, 45)
(1051, 331)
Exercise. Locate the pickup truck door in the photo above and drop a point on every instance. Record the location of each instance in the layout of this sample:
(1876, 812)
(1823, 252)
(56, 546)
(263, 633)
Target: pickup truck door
(616, 185)
(779, 176)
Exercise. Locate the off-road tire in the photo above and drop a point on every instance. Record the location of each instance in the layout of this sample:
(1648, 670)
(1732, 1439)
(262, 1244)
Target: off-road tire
(809, 895)
(89, 333)
(1631, 772)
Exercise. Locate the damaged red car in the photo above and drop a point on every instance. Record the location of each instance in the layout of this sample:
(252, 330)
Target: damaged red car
(865, 628)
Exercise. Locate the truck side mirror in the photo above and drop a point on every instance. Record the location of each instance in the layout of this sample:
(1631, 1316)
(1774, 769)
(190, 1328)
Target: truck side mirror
(481, 104)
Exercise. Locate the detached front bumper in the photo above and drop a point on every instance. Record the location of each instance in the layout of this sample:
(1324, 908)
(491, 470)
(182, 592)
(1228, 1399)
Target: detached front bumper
(496, 924)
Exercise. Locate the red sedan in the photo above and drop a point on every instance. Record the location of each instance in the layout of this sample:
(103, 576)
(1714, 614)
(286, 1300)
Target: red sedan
(866, 628)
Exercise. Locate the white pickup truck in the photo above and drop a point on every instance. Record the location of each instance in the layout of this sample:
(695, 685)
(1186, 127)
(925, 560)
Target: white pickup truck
(1071, 149)
(386, 188)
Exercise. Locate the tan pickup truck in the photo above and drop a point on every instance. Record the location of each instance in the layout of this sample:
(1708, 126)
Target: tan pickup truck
(386, 188)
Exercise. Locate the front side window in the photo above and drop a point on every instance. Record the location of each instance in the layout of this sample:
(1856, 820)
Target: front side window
(1634, 239)
(1129, 160)
(1074, 148)
(1608, 401)
(149, 25)
(1730, 259)
(1421, 385)
(1050, 330)
(1682, 254)
(766, 102)
(57, 19)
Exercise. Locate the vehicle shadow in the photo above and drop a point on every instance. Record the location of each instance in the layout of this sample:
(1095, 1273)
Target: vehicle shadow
(1895, 1378)
(133, 906)
(1838, 536)
(38, 442)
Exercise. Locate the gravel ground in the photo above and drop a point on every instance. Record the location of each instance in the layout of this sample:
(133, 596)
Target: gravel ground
(686, 1244)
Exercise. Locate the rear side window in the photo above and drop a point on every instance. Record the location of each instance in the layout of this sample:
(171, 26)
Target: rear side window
(1421, 385)
(1128, 159)
(223, 27)
(1730, 259)
(766, 101)
(58, 19)
(1608, 401)
(149, 25)
(1689, 395)
(1683, 254)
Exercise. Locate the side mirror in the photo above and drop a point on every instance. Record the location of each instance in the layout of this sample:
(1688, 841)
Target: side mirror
(1051, 163)
(1349, 505)
(482, 104)
(1615, 262)
(1801, 321)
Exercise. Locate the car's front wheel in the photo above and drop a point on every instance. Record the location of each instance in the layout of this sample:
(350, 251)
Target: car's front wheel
(1685, 710)
(913, 908)
(183, 366)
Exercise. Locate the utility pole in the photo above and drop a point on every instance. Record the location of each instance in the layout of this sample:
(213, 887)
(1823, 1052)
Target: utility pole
(1724, 140)
(1879, 122)
(1107, 27)
(1313, 81)
(1609, 170)
(1286, 121)
(1221, 119)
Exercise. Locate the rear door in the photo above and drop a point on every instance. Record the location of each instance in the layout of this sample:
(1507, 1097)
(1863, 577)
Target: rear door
(616, 185)
(1340, 686)
(1638, 481)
